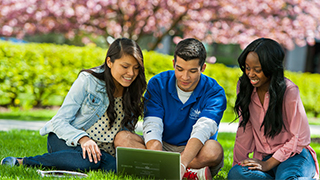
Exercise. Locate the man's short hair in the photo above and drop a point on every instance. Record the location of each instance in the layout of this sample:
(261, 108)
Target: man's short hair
(189, 49)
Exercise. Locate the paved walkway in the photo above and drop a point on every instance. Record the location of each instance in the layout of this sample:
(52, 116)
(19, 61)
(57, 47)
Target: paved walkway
(6, 125)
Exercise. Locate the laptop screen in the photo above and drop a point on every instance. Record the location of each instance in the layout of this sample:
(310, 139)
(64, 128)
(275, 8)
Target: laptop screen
(148, 163)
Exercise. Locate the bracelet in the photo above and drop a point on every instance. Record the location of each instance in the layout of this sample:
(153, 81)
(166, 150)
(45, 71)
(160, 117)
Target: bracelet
(183, 166)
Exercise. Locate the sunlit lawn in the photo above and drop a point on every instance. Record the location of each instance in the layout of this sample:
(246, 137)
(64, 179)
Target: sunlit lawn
(21, 143)
(29, 115)
(29, 143)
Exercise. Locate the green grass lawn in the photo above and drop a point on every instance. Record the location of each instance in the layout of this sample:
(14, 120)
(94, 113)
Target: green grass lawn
(29, 115)
(30, 143)
(21, 143)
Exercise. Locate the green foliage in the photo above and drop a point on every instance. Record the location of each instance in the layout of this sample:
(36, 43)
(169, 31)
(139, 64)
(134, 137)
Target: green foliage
(227, 78)
(41, 74)
(309, 89)
(35, 74)
(155, 63)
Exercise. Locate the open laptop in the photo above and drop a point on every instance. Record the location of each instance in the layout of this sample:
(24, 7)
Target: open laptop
(148, 163)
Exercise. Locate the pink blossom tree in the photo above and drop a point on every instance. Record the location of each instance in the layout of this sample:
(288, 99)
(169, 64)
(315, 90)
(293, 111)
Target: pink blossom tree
(221, 21)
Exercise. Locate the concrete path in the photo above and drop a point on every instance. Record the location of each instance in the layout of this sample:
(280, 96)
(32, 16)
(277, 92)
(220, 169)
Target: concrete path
(6, 125)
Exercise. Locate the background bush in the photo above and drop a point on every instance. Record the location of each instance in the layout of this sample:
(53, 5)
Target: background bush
(39, 75)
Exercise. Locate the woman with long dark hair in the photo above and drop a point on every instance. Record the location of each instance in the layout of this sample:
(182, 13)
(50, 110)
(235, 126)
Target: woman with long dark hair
(272, 120)
(101, 102)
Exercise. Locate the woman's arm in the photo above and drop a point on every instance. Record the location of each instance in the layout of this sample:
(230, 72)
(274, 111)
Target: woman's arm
(295, 115)
(60, 124)
(244, 143)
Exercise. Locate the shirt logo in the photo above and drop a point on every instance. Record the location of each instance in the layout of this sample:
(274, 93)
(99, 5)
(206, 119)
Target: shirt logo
(194, 114)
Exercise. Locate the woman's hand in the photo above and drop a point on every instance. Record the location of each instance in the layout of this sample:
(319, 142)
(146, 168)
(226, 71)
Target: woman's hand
(257, 164)
(252, 163)
(90, 147)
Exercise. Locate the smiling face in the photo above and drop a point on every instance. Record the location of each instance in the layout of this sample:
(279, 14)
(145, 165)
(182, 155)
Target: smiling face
(124, 71)
(187, 73)
(254, 72)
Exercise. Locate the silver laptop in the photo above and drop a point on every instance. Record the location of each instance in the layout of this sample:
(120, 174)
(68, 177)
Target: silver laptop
(148, 163)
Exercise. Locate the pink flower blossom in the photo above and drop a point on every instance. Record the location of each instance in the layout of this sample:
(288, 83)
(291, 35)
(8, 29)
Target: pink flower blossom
(212, 21)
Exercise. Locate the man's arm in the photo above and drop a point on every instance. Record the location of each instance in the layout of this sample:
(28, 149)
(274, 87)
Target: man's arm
(152, 132)
(154, 145)
(153, 114)
(201, 132)
(191, 150)
(203, 129)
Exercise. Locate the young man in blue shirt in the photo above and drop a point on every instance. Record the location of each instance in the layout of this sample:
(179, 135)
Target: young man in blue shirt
(183, 111)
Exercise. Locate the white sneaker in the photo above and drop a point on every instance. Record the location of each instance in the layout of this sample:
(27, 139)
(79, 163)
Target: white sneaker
(198, 174)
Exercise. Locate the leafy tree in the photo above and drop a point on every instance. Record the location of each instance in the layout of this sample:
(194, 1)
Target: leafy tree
(220, 21)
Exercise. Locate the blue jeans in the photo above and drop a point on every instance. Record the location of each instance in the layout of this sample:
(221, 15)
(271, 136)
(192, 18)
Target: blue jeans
(61, 156)
(300, 166)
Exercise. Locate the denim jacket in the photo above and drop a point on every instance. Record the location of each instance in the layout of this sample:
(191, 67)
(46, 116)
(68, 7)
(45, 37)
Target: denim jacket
(84, 104)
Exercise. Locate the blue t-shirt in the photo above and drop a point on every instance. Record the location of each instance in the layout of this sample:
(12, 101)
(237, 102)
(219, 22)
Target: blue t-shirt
(207, 100)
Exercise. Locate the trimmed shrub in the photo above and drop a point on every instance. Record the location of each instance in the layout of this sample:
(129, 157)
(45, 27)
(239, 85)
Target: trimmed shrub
(41, 74)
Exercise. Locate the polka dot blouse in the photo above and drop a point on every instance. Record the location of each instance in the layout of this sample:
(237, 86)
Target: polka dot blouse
(100, 132)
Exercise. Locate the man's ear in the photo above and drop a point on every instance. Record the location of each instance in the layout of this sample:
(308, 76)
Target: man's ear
(108, 62)
(203, 67)
(173, 63)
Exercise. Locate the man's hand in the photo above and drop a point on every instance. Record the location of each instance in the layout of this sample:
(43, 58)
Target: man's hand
(90, 147)
(182, 170)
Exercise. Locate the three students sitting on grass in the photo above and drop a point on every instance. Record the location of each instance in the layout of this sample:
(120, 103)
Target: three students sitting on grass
(182, 112)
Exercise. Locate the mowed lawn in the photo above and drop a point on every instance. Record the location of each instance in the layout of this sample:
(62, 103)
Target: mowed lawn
(21, 143)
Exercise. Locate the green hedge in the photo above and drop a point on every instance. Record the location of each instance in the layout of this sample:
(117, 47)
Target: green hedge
(41, 74)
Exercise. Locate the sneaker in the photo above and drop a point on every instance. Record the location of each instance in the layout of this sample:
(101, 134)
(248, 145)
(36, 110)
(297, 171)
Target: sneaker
(10, 161)
(198, 174)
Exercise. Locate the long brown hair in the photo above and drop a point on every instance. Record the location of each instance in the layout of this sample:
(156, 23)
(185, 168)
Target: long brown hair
(133, 95)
